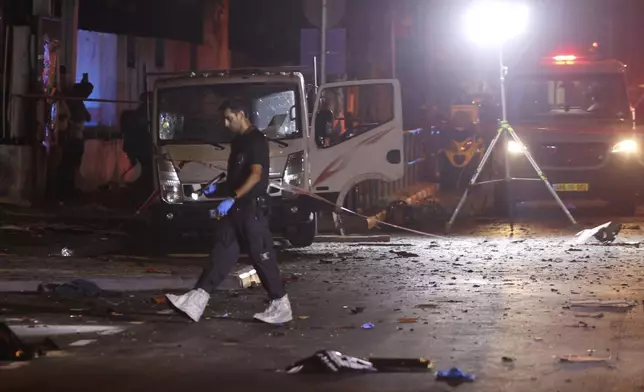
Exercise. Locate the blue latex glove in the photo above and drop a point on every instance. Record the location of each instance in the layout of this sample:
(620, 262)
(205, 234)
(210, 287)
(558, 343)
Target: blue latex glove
(225, 206)
(454, 374)
(212, 188)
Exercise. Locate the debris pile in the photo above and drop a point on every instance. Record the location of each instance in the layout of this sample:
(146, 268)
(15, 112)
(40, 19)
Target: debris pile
(329, 361)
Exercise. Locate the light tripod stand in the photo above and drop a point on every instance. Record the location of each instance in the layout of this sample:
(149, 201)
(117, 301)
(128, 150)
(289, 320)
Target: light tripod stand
(505, 130)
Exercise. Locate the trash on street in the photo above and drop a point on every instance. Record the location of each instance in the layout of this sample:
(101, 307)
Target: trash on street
(583, 359)
(408, 320)
(79, 288)
(454, 375)
(617, 304)
(328, 361)
(397, 365)
(605, 233)
(402, 253)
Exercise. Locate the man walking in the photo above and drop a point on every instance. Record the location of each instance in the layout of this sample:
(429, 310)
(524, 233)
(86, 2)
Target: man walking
(244, 213)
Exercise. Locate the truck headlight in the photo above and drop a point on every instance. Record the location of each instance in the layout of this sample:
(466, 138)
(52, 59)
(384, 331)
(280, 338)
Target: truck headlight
(294, 170)
(625, 147)
(169, 183)
(515, 147)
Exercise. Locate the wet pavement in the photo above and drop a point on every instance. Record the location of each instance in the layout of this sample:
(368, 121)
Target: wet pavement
(484, 294)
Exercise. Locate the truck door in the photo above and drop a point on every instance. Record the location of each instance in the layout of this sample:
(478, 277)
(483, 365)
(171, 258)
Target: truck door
(357, 135)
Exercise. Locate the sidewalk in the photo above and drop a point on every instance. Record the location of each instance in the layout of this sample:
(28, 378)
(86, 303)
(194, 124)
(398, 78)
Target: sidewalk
(118, 273)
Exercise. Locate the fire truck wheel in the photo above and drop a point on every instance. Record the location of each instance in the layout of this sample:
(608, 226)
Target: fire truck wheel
(302, 235)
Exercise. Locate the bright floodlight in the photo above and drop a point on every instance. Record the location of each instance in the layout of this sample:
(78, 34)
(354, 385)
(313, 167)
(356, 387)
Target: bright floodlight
(496, 22)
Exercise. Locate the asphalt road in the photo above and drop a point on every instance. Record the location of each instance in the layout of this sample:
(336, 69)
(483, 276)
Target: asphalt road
(480, 296)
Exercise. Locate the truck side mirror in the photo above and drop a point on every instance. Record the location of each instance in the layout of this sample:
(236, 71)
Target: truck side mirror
(323, 121)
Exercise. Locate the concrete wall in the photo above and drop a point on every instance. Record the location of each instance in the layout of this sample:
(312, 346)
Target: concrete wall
(15, 174)
(105, 58)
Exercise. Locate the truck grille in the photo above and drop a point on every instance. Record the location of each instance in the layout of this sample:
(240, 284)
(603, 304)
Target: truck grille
(570, 154)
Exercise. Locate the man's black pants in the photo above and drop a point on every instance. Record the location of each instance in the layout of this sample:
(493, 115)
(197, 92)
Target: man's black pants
(245, 226)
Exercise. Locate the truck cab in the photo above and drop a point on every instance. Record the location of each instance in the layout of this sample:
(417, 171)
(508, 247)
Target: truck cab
(192, 144)
(573, 115)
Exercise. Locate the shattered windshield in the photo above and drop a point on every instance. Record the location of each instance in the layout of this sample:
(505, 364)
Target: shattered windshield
(589, 95)
(190, 113)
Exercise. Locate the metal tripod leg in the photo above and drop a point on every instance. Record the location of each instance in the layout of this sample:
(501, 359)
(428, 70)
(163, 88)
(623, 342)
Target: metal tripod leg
(506, 127)
(542, 176)
(475, 177)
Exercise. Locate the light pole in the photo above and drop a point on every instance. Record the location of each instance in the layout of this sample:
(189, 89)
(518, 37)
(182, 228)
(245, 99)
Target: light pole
(494, 23)
(323, 29)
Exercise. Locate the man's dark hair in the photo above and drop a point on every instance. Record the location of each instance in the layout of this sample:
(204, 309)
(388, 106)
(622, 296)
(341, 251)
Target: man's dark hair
(234, 105)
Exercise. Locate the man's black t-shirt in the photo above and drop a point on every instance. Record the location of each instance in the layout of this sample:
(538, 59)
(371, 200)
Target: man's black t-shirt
(248, 149)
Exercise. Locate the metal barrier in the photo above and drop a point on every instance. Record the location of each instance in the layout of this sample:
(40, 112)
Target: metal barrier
(371, 195)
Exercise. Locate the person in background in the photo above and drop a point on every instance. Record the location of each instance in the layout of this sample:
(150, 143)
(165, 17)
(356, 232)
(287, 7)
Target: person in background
(137, 143)
(71, 139)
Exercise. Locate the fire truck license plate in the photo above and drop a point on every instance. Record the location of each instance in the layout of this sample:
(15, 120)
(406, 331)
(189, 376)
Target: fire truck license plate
(571, 187)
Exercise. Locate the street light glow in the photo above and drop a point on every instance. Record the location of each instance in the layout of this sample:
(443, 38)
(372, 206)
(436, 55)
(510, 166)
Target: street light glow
(496, 22)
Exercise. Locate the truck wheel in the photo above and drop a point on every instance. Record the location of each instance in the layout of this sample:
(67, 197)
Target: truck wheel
(302, 235)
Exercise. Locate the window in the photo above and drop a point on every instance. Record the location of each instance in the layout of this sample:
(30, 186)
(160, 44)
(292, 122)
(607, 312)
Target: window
(595, 95)
(354, 110)
(190, 113)
(97, 56)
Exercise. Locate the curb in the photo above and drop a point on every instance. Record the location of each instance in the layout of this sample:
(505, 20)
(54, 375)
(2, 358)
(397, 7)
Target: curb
(352, 238)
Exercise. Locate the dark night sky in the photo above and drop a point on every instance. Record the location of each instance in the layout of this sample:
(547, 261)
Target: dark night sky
(268, 29)
(271, 28)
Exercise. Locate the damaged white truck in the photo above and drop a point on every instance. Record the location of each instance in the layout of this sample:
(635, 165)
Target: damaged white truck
(353, 135)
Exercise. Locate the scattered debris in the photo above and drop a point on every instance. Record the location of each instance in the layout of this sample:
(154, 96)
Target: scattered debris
(166, 311)
(83, 342)
(402, 253)
(94, 245)
(538, 339)
(590, 315)
(230, 342)
(375, 244)
(329, 261)
(328, 361)
(368, 326)
(617, 304)
(580, 324)
(302, 317)
(247, 277)
(66, 252)
(408, 320)
(79, 288)
(583, 359)
(508, 359)
(427, 306)
(291, 278)
(454, 375)
(357, 310)
(160, 300)
(605, 233)
(397, 365)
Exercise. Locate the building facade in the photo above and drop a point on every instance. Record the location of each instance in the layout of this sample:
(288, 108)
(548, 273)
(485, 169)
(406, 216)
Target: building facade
(115, 43)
